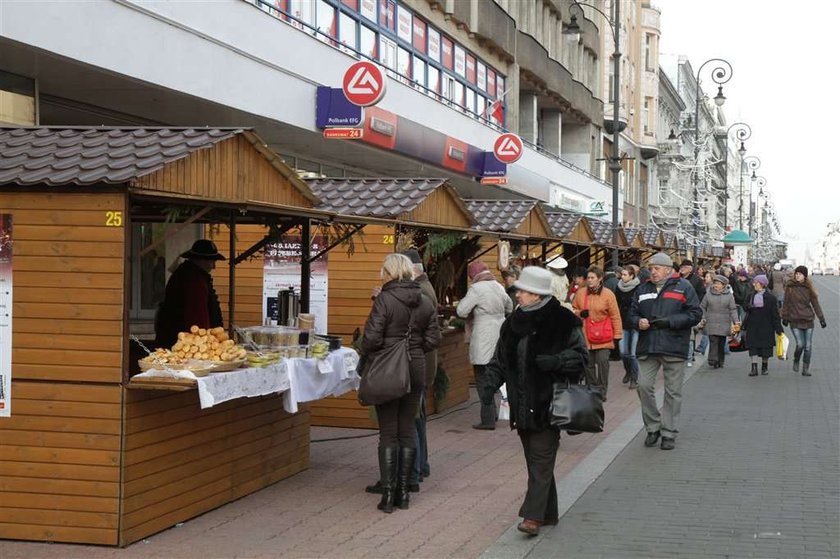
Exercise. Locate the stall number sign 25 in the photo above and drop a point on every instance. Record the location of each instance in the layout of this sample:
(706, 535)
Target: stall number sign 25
(113, 219)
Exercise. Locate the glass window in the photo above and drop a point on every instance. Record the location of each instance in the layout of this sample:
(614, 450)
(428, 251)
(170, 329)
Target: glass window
(470, 68)
(419, 36)
(352, 4)
(303, 12)
(480, 105)
(481, 77)
(368, 9)
(447, 51)
(404, 24)
(491, 82)
(500, 87)
(368, 42)
(447, 87)
(434, 45)
(387, 52)
(460, 61)
(470, 100)
(648, 53)
(404, 62)
(418, 73)
(387, 14)
(458, 96)
(433, 82)
(347, 27)
(326, 21)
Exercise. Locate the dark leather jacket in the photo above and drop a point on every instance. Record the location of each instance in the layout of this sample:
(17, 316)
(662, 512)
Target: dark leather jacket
(389, 319)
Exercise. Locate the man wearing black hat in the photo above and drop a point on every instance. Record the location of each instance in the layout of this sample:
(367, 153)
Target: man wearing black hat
(190, 298)
(687, 272)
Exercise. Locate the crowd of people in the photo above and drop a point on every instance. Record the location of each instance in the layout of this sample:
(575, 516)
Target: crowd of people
(549, 324)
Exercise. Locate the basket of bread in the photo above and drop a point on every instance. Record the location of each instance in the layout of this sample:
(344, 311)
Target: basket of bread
(200, 351)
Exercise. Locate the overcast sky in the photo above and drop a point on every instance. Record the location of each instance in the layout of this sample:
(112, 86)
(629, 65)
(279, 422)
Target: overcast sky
(785, 85)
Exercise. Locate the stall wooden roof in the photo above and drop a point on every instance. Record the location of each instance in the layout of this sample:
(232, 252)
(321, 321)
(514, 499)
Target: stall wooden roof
(602, 232)
(633, 235)
(426, 202)
(652, 237)
(522, 217)
(222, 165)
(570, 226)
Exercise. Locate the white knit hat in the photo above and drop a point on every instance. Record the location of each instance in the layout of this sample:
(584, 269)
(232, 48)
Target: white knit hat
(534, 279)
(558, 263)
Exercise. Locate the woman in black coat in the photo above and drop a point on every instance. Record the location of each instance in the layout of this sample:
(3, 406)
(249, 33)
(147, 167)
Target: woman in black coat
(397, 307)
(762, 323)
(540, 343)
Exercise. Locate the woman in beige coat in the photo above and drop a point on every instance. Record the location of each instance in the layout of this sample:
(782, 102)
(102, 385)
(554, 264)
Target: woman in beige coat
(595, 304)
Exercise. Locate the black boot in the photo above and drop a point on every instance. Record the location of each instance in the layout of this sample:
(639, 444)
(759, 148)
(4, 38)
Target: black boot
(401, 496)
(764, 368)
(388, 458)
(754, 370)
(805, 367)
(797, 355)
(488, 417)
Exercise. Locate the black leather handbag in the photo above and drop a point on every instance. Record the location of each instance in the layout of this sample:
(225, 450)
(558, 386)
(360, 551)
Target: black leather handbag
(577, 407)
(385, 374)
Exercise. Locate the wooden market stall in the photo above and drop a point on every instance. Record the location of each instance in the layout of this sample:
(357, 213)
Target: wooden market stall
(388, 208)
(573, 228)
(636, 251)
(653, 240)
(603, 242)
(84, 458)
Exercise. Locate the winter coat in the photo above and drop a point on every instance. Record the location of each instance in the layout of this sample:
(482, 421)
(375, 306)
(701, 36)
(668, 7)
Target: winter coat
(488, 303)
(388, 322)
(610, 281)
(625, 301)
(551, 330)
(741, 290)
(698, 284)
(189, 300)
(778, 282)
(800, 306)
(762, 323)
(560, 287)
(602, 306)
(431, 356)
(719, 312)
(677, 301)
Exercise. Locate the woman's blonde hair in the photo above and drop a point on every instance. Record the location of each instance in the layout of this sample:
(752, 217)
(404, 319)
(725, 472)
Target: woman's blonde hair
(397, 267)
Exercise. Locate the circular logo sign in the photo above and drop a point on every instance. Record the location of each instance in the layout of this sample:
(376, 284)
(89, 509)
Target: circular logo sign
(508, 148)
(364, 83)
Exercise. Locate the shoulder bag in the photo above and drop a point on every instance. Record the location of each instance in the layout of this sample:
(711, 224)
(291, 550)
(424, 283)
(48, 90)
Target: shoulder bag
(600, 332)
(577, 408)
(386, 374)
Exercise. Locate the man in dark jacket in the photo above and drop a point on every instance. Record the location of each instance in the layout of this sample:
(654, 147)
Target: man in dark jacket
(687, 272)
(664, 310)
(190, 298)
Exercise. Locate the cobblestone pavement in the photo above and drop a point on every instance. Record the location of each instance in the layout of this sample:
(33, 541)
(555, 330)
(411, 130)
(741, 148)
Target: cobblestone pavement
(756, 471)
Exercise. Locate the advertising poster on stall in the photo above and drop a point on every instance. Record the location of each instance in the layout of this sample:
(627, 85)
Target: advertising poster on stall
(282, 270)
(5, 315)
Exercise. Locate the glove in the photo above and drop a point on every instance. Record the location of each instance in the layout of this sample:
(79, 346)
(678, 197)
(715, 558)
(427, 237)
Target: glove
(660, 323)
(584, 313)
(548, 363)
(785, 323)
(822, 323)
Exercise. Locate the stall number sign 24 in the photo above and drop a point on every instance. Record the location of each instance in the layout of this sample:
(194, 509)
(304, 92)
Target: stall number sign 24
(113, 219)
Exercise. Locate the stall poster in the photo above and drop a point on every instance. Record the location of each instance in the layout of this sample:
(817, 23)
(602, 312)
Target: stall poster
(5, 315)
(282, 270)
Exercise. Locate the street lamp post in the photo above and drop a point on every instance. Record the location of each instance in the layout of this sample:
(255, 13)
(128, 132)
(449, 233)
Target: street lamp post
(752, 163)
(720, 75)
(573, 29)
(742, 133)
(761, 182)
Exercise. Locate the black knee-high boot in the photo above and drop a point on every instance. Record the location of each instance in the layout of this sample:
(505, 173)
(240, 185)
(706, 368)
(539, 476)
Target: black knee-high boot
(764, 367)
(388, 458)
(797, 355)
(754, 370)
(407, 456)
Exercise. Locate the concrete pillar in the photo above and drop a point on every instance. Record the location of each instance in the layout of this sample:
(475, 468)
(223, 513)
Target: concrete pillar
(528, 115)
(552, 127)
(512, 98)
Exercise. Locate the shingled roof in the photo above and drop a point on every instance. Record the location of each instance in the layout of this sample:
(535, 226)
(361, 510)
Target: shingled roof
(668, 237)
(630, 233)
(381, 197)
(650, 236)
(500, 216)
(95, 155)
(601, 231)
(563, 223)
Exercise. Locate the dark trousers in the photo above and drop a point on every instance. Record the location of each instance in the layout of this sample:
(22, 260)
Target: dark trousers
(396, 420)
(540, 454)
(486, 394)
(717, 348)
(598, 369)
(421, 459)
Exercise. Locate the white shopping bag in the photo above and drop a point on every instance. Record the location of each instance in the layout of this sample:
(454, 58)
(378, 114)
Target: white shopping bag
(504, 406)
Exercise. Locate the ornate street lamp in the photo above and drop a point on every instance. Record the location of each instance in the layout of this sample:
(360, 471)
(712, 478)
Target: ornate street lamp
(761, 182)
(742, 133)
(573, 31)
(751, 163)
(720, 75)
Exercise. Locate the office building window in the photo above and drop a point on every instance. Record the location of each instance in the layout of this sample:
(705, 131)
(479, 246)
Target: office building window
(419, 36)
(649, 59)
(433, 80)
(404, 62)
(470, 100)
(434, 45)
(387, 52)
(303, 12)
(460, 62)
(352, 4)
(326, 21)
(387, 14)
(418, 71)
(347, 31)
(368, 42)
(404, 24)
(447, 50)
(458, 97)
(471, 69)
(481, 77)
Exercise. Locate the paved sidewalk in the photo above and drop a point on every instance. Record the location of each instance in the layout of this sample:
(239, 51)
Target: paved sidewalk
(756, 473)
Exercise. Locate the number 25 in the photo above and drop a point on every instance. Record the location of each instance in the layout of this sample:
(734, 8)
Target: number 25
(113, 219)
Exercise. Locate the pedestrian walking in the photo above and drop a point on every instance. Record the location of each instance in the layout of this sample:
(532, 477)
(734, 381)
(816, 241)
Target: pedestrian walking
(778, 282)
(578, 282)
(485, 305)
(598, 308)
(540, 343)
(701, 346)
(400, 307)
(625, 291)
(741, 289)
(559, 281)
(611, 278)
(664, 310)
(720, 318)
(762, 324)
(801, 306)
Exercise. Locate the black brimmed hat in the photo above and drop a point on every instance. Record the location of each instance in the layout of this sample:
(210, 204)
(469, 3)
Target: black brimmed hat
(204, 248)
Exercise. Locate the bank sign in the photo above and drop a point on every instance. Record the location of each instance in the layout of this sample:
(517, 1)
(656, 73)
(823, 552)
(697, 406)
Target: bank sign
(332, 109)
(597, 207)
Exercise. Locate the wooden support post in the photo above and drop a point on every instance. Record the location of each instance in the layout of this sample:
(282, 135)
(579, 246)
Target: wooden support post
(305, 264)
(232, 273)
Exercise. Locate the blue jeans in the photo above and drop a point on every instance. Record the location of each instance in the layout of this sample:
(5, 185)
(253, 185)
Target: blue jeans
(703, 345)
(803, 338)
(627, 347)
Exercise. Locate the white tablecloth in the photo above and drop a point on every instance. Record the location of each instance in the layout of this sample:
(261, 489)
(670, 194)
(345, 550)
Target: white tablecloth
(300, 380)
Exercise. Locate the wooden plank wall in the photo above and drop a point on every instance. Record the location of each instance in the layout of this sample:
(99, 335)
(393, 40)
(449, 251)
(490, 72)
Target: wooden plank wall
(60, 450)
(439, 208)
(181, 461)
(453, 356)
